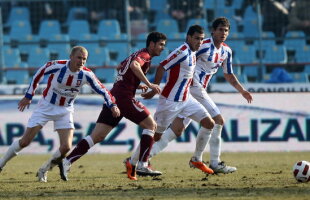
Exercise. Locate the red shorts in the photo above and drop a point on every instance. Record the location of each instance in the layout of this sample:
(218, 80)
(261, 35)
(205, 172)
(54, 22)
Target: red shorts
(130, 108)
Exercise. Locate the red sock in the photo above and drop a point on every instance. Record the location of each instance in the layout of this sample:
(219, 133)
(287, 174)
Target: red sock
(146, 144)
(80, 149)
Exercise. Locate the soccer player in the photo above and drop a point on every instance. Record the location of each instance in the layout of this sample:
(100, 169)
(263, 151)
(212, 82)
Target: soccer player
(131, 72)
(66, 77)
(212, 55)
(175, 98)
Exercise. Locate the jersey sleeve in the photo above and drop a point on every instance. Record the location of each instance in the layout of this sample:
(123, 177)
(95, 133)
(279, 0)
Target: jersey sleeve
(99, 88)
(227, 64)
(174, 58)
(48, 68)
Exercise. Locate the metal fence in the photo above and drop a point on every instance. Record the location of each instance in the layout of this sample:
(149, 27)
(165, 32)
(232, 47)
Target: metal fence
(263, 34)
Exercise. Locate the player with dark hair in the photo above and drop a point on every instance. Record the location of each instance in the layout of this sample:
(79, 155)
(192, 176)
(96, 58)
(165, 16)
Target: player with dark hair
(66, 77)
(212, 55)
(131, 72)
(175, 98)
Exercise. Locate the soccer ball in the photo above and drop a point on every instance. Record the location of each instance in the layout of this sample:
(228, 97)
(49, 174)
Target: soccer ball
(301, 171)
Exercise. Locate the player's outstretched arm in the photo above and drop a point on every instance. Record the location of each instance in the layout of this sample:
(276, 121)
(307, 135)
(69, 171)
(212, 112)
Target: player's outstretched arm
(23, 103)
(232, 79)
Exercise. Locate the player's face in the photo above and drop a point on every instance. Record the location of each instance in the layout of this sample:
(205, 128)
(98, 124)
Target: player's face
(195, 41)
(78, 60)
(158, 47)
(220, 34)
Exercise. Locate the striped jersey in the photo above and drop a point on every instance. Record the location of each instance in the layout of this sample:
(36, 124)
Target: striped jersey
(63, 85)
(210, 59)
(180, 65)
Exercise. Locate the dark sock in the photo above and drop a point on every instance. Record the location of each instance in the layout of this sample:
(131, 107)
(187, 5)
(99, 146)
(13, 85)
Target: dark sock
(80, 149)
(146, 144)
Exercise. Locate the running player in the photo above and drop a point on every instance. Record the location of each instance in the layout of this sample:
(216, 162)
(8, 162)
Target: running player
(66, 77)
(212, 55)
(175, 99)
(130, 74)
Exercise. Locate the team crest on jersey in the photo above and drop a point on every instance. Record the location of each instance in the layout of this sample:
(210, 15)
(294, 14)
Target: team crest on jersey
(178, 52)
(78, 83)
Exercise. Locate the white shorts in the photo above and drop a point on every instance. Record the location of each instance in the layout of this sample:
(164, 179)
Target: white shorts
(201, 95)
(45, 112)
(167, 111)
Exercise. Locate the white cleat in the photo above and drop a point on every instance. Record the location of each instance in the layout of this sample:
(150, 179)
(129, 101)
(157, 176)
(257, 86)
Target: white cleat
(147, 171)
(64, 168)
(42, 175)
(223, 168)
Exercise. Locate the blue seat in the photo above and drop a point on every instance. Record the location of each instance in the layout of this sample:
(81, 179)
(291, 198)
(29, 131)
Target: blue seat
(302, 54)
(76, 13)
(38, 57)
(246, 54)
(141, 41)
(88, 40)
(98, 56)
(78, 27)
(59, 46)
(251, 73)
(16, 14)
(175, 40)
(201, 22)
(275, 54)
(108, 28)
(250, 28)
(167, 26)
(11, 57)
(299, 77)
(294, 40)
(119, 47)
(48, 28)
(20, 29)
(17, 76)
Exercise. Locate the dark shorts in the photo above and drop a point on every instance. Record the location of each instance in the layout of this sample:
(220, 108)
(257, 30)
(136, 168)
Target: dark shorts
(130, 108)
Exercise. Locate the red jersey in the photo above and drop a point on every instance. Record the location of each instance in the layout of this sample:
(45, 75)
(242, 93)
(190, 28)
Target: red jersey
(126, 82)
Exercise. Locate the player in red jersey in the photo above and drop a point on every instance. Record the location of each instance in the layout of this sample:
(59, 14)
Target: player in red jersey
(131, 72)
(66, 78)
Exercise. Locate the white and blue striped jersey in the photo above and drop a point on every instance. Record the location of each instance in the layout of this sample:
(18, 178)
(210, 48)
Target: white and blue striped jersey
(63, 85)
(180, 65)
(210, 59)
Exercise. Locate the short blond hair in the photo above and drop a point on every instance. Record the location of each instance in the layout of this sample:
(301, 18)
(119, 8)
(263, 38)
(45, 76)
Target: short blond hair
(78, 48)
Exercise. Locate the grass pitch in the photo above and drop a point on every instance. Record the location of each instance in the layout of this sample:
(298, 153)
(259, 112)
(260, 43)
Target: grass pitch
(102, 176)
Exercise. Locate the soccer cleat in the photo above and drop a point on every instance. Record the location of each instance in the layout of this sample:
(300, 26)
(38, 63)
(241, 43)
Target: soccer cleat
(223, 168)
(131, 169)
(147, 171)
(64, 168)
(193, 163)
(42, 175)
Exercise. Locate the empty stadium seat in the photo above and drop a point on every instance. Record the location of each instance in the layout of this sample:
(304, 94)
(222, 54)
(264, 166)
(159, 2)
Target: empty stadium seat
(167, 26)
(16, 14)
(17, 75)
(201, 22)
(38, 57)
(11, 57)
(78, 27)
(275, 54)
(299, 77)
(98, 56)
(48, 28)
(302, 54)
(175, 40)
(294, 40)
(108, 28)
(76, 13)
(59, 46)
(19, 29)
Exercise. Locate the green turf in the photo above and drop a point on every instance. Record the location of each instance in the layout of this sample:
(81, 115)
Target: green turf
(102, 176)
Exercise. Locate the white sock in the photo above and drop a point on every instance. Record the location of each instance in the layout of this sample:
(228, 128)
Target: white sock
(52, 162)
(89, 141)
(202, 140)
(158, 146)
(135, 156)
(215, 145)
(10, 153)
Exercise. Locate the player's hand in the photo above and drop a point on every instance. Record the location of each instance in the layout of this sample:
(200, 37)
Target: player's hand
(23, 103)
(148, 95)
(144, 88)
(247, 95)
(155, 87)
(115, 111)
